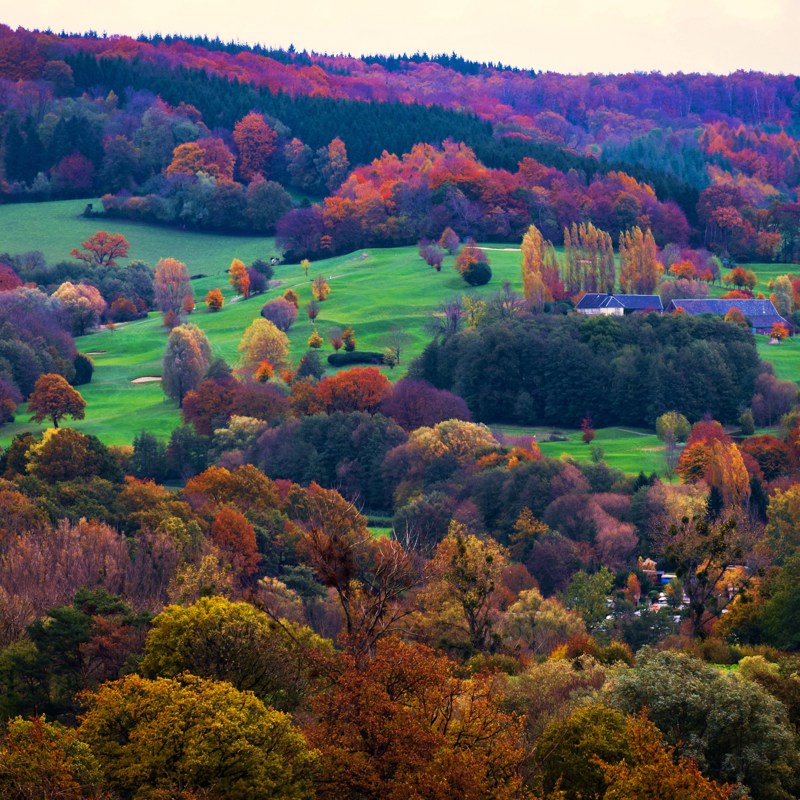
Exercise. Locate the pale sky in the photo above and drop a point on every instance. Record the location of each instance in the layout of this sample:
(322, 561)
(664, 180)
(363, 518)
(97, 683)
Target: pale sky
(574, 36)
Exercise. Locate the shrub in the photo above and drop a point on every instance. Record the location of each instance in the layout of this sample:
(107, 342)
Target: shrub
(258, 283)
(477, 274)
(280, 312)
(355, 357)
(84, 368)
(473, 265)
(310, 366)
(214, 300)
(263, 268)
(122, 310)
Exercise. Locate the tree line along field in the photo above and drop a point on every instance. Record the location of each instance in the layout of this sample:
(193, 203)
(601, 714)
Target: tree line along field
(373, 290)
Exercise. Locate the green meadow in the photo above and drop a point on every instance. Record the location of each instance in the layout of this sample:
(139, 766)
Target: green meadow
(629, 449)
(56, 227)
(374, 290)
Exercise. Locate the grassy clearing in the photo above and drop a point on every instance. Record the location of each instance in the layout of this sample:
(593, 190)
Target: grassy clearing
(56, 227)
(374, 291)
(785, 357)
(629, 449)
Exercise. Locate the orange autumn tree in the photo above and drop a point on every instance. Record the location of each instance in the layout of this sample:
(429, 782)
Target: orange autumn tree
(102, 249)
(255, 140)
(357, 389)
(264, 373)
(369, 576)
(47, 760)
(210, 155)
(53, 398)
(779, 331)
(245, 488)
(214, 300)
(653, 763)
(683, 269)
(239, 279)
(406, 725)
(694, 459)
(236, 537)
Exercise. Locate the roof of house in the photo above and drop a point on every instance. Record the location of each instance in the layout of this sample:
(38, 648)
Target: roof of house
(635, 302)
(761, 313)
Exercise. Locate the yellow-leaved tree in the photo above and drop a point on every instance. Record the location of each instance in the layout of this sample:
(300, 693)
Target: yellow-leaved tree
(262, 341)
(209, 735)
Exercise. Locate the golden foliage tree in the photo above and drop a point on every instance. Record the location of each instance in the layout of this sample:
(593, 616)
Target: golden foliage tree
(239, 279)
(726, 471)
(589, 259)
(320, 288)
(262, 341)
(639, 268)
(467, 573)
(219, 639)
(177, 734)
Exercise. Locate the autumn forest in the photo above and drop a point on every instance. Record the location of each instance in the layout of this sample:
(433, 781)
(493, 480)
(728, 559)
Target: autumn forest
(396, 426)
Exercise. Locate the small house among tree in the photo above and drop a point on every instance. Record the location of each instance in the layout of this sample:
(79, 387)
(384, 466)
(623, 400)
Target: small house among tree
(761, 314)
(618, 304)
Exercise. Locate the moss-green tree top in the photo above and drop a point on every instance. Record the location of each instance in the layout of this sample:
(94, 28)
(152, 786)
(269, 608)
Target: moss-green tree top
(215, 638)
(189, 733)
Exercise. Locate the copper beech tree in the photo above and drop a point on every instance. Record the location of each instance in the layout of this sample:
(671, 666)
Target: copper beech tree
(53, 398)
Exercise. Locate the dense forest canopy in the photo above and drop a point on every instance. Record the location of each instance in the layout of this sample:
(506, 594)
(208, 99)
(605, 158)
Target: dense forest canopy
(102, 115)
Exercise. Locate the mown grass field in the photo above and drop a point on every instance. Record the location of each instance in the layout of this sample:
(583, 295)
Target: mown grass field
(56, 227)
(373, 290)
(629, 449)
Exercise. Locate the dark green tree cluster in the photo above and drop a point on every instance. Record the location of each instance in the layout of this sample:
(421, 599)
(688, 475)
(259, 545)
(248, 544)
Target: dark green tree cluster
(629, 370)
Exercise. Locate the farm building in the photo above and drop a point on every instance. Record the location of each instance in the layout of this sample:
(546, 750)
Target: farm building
(618, 304)
(761, 313)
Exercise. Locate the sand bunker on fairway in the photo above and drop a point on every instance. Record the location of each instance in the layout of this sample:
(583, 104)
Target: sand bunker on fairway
(146, 379)
(95, 353)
